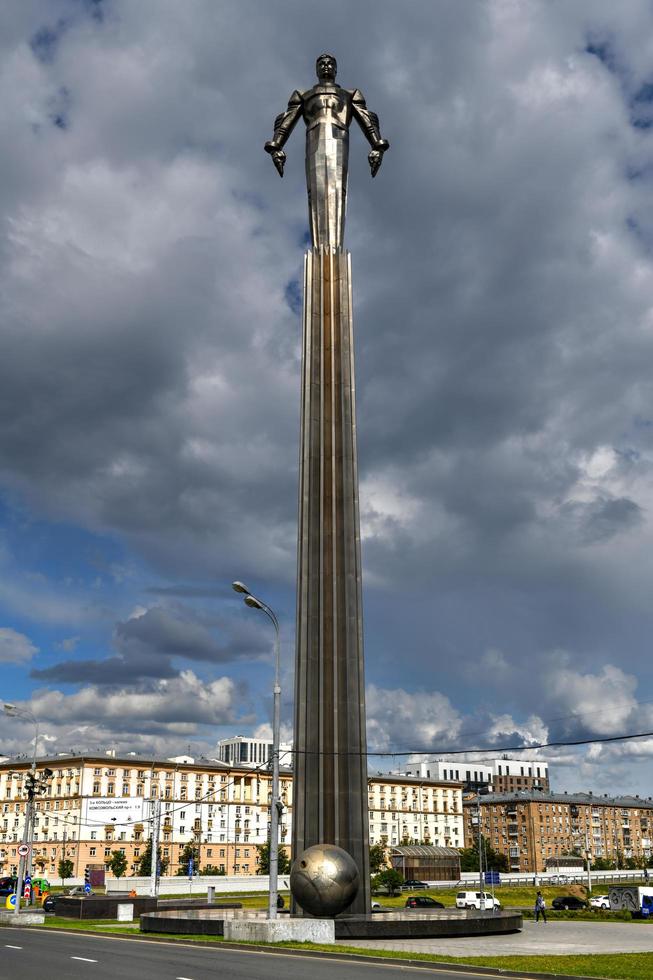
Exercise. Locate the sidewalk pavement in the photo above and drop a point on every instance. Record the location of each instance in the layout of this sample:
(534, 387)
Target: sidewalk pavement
(541, 938)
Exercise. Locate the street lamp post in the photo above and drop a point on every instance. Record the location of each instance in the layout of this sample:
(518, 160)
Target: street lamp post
(481, 900)
(275, 805)
(24, 864)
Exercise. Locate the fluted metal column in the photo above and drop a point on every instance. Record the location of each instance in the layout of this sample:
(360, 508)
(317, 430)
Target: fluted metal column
(330, 804)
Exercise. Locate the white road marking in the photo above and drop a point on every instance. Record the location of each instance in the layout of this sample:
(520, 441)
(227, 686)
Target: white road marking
(183, 978)
(84, 959)
(9, 946)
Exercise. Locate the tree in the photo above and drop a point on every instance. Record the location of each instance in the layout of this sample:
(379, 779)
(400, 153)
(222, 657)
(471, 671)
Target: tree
(210, 869)
(117, 863)
(65, 869)
(377, 858)
(144, 863)
(264, 860)
(190, 852)
(492, 860)
(389, 879)
(603, 864)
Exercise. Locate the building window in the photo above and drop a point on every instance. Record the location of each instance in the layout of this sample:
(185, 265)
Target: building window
(91, 851)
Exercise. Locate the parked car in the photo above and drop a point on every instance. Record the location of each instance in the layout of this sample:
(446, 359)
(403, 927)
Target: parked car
(77, 892)
(600, 902)
(422, 902)
(472, 900)
(568, 902)
(48, 903)
(412, 885)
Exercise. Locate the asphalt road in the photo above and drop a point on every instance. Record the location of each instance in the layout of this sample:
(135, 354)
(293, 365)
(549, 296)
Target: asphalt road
(28, 953)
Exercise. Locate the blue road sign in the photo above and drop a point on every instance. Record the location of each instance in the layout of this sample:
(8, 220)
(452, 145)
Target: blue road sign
(87, 888)
(492, 878)
(191, 865)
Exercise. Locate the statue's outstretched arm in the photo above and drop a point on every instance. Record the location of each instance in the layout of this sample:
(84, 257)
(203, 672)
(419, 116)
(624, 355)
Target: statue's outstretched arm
(283, 127)
(369, 123)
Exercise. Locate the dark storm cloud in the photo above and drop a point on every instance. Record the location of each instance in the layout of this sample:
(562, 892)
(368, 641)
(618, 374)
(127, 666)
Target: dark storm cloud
(148, 645)
(112, 671)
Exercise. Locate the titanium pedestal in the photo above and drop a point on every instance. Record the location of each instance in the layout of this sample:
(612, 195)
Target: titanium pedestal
(330, 782)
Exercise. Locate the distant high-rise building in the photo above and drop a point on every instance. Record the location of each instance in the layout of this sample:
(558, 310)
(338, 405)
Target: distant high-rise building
(242, 750)
(502, 775)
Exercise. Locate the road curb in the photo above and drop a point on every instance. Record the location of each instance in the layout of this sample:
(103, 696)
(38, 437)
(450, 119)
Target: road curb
(317, 953)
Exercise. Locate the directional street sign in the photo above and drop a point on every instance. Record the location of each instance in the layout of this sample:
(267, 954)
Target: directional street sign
(23, 849)
(87, 888)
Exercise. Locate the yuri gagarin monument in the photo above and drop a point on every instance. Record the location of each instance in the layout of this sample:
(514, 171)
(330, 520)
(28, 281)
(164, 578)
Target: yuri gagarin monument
(330, 821)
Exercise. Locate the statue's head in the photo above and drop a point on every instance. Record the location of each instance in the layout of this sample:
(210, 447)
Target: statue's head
(326, 67)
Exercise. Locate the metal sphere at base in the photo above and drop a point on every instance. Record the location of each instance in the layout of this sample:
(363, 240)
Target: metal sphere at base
(324, 880)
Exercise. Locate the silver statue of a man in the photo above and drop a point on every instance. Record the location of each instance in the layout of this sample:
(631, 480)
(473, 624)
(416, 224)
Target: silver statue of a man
(327, 110)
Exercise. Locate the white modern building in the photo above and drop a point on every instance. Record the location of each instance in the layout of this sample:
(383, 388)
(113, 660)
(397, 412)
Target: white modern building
(241, 750)
(502, 775)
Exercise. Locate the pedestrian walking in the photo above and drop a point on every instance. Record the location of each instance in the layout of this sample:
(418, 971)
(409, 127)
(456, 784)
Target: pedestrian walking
(540, 907)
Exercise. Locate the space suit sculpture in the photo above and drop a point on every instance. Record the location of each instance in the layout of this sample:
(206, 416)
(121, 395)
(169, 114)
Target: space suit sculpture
(327, 109)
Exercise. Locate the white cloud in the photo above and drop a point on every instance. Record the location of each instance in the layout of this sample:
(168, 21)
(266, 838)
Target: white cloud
(15, 648)
(602, 702)
(399, 718)
(177, 705)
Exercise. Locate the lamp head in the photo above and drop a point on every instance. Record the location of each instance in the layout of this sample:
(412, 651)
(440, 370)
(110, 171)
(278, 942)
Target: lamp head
(240, 587)
(253, 602)
(9, 709)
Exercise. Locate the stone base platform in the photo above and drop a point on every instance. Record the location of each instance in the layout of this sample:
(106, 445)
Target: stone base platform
(280, 930)
(24, 918)
(400, 924)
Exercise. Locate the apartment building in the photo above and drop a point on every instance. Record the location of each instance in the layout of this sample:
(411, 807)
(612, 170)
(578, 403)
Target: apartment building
(95, 804)
(410, 810)
(502, 775)
(532, 828)
(242, 750)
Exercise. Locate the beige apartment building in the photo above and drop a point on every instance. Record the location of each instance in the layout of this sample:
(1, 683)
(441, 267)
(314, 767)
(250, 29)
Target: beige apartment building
(96, 804)
(533, 828)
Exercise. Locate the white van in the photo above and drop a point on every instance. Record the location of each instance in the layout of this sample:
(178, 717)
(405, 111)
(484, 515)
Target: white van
(472, 900)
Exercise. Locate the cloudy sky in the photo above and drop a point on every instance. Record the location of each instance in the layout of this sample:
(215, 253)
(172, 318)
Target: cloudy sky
(150, 260)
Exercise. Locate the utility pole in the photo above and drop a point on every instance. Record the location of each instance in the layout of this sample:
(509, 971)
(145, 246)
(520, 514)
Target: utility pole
(480, 853)
(35, 786)
(154, 860)
(589, 866)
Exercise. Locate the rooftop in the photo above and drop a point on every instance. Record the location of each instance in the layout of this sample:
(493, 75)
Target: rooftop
(536, 796)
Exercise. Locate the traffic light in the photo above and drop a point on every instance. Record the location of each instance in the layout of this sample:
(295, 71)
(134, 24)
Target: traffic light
(87, 876)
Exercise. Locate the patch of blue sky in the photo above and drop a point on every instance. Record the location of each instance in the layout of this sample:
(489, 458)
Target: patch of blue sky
(95, 9)
(62, 552)
(59, 108)
(603, 50)
(45, 41)
(643, 236)
(641, 106)
(293, 295)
